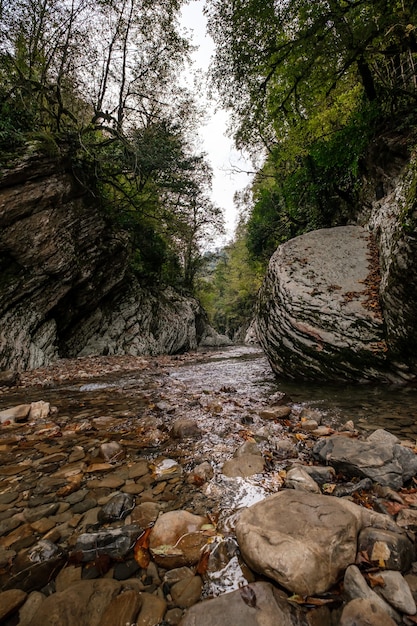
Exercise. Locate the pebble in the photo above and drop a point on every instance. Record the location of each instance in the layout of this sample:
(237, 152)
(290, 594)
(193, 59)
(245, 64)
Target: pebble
(11, 601)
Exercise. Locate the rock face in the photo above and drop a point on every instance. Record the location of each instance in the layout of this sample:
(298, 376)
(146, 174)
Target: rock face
(304, 541)
(64, 287)
(339, 303)
(315, 317)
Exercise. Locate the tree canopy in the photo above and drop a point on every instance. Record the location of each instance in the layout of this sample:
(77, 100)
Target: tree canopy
(100, 81)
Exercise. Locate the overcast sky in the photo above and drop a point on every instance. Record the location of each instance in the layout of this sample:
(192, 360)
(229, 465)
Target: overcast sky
(218, 146)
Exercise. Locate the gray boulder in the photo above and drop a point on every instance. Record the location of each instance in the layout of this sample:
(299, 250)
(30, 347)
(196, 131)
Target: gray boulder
(314, 318)
(379, 458)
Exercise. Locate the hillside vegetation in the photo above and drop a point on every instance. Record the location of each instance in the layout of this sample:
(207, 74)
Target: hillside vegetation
(310, 86)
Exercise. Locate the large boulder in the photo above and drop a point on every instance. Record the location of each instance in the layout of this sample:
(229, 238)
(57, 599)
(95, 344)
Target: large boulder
(303, 541)
(317, 318)
(339, 303)
(383, 459)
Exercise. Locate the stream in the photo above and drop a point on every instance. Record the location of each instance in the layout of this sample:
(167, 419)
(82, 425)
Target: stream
(175, 414)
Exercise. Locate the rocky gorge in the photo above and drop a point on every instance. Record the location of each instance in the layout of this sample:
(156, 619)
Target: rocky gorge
(66, 289)
(130, 494)
(339, 303)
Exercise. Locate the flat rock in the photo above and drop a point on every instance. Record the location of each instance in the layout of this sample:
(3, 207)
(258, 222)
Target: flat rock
(17, 413)
(304, 541)
(364, 612)
(314, 320)
(10, 602)
(245, 465)
(355, 586)
(382, 460)
(397, 592)
(82, 604)
(252, 605)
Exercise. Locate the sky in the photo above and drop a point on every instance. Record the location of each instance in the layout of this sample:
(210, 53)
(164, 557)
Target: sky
(219, 148)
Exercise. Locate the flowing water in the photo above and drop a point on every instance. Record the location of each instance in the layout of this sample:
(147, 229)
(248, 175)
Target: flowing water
(221, 392)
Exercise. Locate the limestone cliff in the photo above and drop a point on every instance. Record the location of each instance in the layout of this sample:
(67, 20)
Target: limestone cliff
(340, 304)
(64, 288)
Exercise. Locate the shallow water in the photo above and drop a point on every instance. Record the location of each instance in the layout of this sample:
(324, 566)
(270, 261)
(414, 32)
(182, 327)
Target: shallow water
(369, 406)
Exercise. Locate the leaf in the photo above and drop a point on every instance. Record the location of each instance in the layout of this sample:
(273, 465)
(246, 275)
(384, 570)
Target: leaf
(375, 580)
(142, 556)
(248, 596)
(141, 549)
(202, 564)
(393, 507)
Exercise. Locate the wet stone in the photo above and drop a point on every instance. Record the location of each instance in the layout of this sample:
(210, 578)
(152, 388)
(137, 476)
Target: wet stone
(125, 570)
(7, 498)
(115, 542)
(85, 505)
(187, 591)
(243, 466)
(67, 576)
(6, 556)
(9, 524)
(139, 469)
(22, 537)
(44, 510)
(146, 513)
(185, 428)
(133, 488)
(77, 496)
(122, 609)
(152, 610)
(10, 602)
(112, 452)
(117, 508)
(394, 550)
(29, 608)
(107, 482)
(277, 412)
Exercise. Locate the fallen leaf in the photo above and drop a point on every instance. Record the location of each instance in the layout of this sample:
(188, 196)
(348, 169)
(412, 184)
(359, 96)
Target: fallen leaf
(375, 580)
(202, 564)
(248, 596)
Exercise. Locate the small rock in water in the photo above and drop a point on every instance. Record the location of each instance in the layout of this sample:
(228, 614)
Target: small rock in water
(274, 413)
(17, 413)
(114, 542)
(39, 410)
(112, 451)
(117, 508)
(165, 469)
(184, 428)
(243, 466)
(298, 478)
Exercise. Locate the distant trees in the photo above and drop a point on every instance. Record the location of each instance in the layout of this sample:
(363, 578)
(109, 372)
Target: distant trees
(99, 79)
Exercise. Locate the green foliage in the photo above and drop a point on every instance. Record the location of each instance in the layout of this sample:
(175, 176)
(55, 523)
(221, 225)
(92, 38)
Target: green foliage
(228, 285)
(307, 84)
(98, 83)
